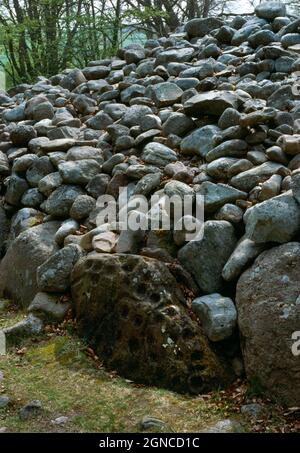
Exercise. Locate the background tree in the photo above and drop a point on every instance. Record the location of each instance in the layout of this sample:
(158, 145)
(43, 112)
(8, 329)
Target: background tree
(47, 36)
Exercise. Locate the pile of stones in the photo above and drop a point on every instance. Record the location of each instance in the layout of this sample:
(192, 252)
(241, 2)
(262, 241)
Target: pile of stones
(211, 110)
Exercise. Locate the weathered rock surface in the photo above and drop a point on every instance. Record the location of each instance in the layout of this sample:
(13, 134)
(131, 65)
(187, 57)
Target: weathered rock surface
(217, 315)
(268, 315)
(274, 220)
(216, 246)
(18, 268)
(211, 103)
(130, 308)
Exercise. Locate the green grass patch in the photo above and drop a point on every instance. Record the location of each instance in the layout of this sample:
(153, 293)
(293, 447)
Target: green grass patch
(56, 369)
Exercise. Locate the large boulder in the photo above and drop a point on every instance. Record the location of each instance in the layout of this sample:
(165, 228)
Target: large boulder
(19, 266)
(267, 300)
(131, 311)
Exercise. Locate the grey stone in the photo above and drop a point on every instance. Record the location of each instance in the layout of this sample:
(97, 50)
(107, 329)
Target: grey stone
(15, 189)
(151, 122)
(145, 292)
(230, 117)
(261, 38)
(243, 255)
(82, 207)
(273, 220)
(68, 227)
(4, 401)
(39, 108)
(85, 152)
(216, 246)
(243, 34)
(178, 124)
(270, 10)
(220, 168)
(284, 64)
(31, 410)
(15, 114)
(166, 93)
(230, 213)
(28, 327)
(253, 410)
(200, 141)
(49, 183)
(137, 171)
(217, 314)
(182, 55)
(295, 186)
(158, 154)
(199, 27)
(21, 134)
(270, 188)
(60, 420)
(23, 219)
(211, 103)
(96, 72)
(73, 79)
(147, 184)
(26, 253)
(40, 167)
(32, 198)
(239, 166)
(54, 274)
(225, 426)
(151, 423)
(281, 99)
(130, 241)
(134, 55)
(134, 115)
(22, 163)
(79, 171)
(123, 143)
(216, 195)
(61, 199)
(97, 185)
(100, 121)
(178, 189)
(4, 164)
(248, 179)
(116, 159)
(49, 307)
(290, 39)
(115, 111)
(229, 148)
(133, 91)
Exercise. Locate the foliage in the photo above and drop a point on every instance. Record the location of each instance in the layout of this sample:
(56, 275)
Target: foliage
(48, 36)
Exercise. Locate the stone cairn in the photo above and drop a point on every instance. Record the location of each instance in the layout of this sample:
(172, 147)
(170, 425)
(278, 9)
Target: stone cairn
(212, 110)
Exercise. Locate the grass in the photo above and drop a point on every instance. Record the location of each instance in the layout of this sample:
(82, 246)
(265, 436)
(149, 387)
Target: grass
(59, 370)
